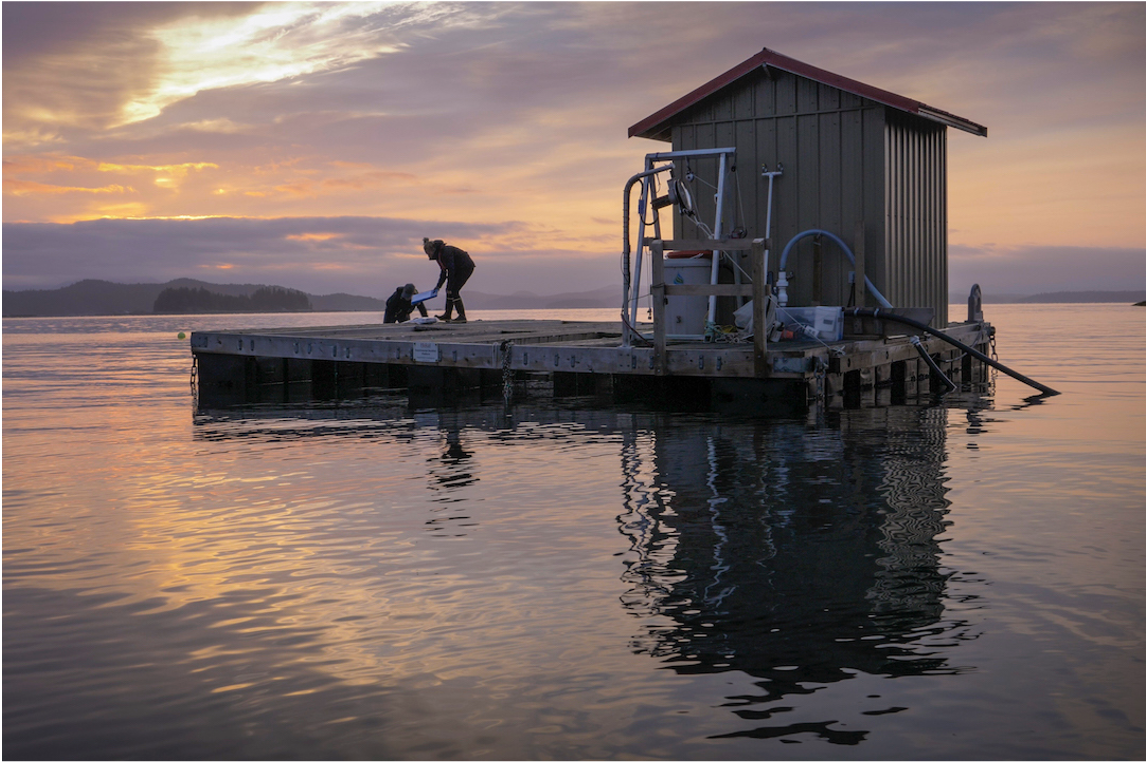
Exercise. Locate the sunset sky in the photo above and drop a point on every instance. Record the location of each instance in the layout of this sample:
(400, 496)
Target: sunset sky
(313, 145)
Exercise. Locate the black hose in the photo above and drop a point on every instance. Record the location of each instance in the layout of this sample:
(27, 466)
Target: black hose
(879, 312)
(932, 364)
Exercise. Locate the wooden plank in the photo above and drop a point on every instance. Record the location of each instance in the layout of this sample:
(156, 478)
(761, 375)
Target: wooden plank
(548, 359)
(734, 362)
(560, 338)
(708, 244)
(657, 296)
(719, 289)
(759, 274)
(695, 360)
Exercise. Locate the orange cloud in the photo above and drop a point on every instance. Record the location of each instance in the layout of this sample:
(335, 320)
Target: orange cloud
(29, 188)
(296, 189)
(314, 236)
(369, 179)
(178, 170)
(30, 164)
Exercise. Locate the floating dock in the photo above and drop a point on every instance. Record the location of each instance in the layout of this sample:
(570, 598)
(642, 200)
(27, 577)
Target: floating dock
(448, 360)
(878, 361)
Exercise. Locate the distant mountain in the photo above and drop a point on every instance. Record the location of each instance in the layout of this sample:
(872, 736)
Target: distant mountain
(101, 297)
(190, 301)
(87, 297)
(1083, 297)
(1057, 297)
(341, 302)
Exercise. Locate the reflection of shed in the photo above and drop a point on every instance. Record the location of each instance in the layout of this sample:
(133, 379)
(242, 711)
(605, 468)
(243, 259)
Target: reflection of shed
(851, 153)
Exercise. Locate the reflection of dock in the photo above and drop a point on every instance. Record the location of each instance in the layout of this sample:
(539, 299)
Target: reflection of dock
(801, 557)
(577, 358)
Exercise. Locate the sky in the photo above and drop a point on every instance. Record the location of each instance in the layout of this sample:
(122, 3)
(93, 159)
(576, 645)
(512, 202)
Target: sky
(314, 145)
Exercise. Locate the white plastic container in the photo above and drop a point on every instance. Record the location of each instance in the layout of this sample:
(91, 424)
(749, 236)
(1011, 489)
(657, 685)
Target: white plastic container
(827, 322)
(686, 315)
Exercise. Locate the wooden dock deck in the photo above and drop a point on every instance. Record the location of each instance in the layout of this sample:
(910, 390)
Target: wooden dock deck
(297, 364)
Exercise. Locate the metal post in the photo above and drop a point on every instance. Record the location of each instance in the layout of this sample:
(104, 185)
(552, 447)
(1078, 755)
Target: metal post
(635, 294)
(657, 294)
(718, 232)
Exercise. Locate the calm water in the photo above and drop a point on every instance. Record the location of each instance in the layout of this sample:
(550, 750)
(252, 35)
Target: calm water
(933, 582)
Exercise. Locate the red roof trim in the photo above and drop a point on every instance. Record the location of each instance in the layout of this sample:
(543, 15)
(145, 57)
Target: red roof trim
(655, 123)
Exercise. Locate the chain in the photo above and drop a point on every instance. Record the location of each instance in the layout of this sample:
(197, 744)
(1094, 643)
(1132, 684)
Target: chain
(194, 376)
(820, 371)
(507, 374)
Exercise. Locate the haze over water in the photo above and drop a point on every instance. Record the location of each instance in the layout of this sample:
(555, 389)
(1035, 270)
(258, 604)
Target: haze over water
(962, 580)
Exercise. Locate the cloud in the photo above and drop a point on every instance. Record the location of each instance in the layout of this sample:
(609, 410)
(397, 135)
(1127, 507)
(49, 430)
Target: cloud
(354, 254)
(27, 188)
(511, 119)
(71, 66)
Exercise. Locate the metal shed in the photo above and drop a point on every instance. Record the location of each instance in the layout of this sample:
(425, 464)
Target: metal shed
(856, 161)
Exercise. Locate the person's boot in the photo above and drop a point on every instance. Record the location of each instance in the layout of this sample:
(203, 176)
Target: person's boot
(445, 316)
(461, 311)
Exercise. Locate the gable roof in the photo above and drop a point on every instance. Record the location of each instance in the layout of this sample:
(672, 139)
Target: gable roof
(654, 126)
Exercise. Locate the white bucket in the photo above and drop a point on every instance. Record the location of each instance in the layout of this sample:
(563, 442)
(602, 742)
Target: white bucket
(687, 314)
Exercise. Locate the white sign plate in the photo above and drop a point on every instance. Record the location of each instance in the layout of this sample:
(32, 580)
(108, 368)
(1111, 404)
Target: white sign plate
(425, 351)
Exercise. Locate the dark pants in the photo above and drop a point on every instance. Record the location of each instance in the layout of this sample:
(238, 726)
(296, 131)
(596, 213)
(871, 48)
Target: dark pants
(455, 281)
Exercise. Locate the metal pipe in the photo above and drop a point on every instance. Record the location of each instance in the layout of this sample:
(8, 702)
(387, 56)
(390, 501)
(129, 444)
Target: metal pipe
(877, 313)
(625, 265)
(718, 233)
(667, 155)
(642, 206)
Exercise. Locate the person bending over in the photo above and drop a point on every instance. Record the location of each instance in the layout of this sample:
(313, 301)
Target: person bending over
(456, 267)
(398, 306)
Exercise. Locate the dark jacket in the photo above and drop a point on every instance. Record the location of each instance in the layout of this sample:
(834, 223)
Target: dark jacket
(399, 308)
(454, 263)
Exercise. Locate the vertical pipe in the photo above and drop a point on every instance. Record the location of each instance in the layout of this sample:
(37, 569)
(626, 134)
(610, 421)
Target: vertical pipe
(718, 232)
(817, 272)
(641, 207)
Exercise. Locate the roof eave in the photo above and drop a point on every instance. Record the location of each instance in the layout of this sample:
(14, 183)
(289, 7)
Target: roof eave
(951, 120)
(654, 126)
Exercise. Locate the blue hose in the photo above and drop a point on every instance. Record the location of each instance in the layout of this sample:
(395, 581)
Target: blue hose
(847, 252)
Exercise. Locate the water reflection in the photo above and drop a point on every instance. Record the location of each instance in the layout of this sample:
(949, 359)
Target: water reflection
(799, 553)
(798, 556)
(449, 469)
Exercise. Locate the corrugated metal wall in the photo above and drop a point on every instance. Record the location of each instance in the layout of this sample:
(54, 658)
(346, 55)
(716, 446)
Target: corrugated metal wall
(916, 215)
(833, 146)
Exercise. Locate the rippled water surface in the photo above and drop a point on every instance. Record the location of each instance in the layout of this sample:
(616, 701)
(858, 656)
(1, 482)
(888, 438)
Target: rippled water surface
(563, 580)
